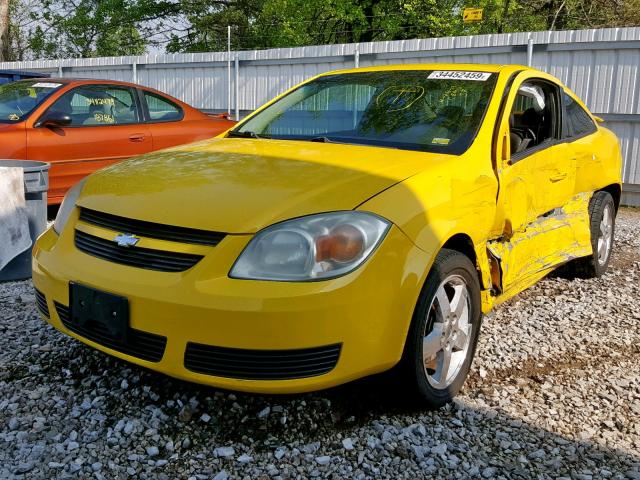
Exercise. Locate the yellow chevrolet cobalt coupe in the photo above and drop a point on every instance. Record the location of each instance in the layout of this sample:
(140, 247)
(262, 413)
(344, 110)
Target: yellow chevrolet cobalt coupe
(364, 219)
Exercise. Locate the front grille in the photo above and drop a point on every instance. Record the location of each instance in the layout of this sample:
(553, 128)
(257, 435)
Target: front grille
(144, 345)
(150, 229)
(160, 260)
(261, 364)
(41, 303)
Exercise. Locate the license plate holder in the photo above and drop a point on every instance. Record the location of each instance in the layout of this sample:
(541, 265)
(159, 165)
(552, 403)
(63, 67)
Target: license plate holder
(102, 312)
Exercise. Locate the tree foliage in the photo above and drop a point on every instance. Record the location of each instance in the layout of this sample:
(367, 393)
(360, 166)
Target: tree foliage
(88, 28)
(93, 28)
(4, 29)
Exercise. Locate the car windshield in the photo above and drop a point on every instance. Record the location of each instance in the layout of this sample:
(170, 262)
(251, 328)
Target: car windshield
(426, 110)
(19, 99)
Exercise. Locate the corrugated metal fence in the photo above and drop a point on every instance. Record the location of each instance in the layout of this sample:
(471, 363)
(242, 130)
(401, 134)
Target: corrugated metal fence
(601, 66)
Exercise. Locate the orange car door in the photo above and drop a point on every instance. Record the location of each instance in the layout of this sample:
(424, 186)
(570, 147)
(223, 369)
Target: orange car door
(87, 128)
(171, 125)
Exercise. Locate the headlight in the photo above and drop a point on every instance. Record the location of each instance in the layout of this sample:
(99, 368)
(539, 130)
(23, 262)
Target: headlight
(316, 247)
(68, 204)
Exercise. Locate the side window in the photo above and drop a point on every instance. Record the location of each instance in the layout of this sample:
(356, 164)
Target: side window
(576, 122)
(533, 119)
(161, 109)
(98, 105)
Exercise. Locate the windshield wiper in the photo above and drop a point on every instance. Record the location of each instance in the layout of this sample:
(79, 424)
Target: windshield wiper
(321, 139)
(246, 134)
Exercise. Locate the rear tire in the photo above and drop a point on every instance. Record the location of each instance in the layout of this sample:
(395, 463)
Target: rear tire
(602, 215)
(444, 331)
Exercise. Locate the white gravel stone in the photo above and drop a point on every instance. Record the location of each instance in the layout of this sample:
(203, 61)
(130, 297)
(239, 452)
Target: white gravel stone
(554, 391)
(153, 451)
(221, 475)
(224, 452)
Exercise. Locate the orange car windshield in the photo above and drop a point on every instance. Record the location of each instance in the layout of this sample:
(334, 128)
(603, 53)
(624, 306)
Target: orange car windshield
(19, 99)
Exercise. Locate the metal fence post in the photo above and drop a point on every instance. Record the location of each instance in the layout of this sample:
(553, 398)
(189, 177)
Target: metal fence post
(60, 69)
(237, 86)
(229, 70)
(134, 72)
(530, 52)
(356, 56)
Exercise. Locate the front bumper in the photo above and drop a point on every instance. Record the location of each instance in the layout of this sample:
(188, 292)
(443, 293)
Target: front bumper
(367, 312)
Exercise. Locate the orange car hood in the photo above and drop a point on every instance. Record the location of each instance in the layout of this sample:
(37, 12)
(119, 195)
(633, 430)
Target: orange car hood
(11, 127)
(243, 185)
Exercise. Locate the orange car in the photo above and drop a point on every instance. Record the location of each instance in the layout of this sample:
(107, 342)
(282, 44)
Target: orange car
(83, 125)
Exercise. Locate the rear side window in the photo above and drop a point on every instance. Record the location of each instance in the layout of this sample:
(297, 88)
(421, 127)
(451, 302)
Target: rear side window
(162, 109)
(576, 122)
(98, 105)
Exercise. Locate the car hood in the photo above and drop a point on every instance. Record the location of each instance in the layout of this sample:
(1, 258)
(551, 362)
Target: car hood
(10, 126)
(243, 185)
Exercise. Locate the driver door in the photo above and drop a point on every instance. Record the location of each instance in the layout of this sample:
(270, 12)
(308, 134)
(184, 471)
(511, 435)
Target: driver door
(105, 128)
(537, 212)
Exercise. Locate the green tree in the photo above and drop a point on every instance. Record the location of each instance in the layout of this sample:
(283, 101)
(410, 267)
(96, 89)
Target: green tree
(86, 28)
(90, 28)
(4, 29)
(207, 22)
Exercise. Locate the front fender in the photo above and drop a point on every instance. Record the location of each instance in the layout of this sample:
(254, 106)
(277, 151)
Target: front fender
(432, 207)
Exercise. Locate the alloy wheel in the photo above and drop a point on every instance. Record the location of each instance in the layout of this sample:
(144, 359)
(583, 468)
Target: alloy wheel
(605, 237)
(446, 342)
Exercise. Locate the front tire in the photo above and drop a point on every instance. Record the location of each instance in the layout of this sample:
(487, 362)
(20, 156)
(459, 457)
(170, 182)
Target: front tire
(444, 330)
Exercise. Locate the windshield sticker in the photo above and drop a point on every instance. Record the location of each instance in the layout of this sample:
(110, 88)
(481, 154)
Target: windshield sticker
(46, 85)
(14, 117)
(101, 101)
(440, 141)
(399, 97)
(459, 75)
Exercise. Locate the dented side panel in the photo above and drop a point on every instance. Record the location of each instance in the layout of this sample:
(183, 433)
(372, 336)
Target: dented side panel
(524, 218)
(562, 235)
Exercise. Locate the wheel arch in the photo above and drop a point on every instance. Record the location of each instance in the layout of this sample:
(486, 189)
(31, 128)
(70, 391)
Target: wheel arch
(462, 243)
(615, 190)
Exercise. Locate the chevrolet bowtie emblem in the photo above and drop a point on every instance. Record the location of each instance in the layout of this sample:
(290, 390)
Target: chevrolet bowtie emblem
(126, 240)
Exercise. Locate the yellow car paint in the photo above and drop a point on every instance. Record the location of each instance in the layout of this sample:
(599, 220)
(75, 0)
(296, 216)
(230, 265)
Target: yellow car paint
(520, 220)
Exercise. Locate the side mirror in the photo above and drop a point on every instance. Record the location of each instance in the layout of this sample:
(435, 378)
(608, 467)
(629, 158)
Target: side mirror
(54, 120)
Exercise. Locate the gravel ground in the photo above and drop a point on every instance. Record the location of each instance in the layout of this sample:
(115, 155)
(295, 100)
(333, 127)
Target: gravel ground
(554, 393)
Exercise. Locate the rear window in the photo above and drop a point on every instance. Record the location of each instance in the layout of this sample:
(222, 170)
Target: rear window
(575, 122)
(161, 109)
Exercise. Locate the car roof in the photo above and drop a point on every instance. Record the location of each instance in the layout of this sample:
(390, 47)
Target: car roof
(83, 81)
(89, 81)
(474, 67)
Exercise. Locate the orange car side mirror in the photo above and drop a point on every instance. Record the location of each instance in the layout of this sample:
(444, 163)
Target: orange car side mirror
(54, 120)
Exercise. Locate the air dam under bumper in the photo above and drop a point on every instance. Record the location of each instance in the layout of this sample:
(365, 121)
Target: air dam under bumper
(365, 314)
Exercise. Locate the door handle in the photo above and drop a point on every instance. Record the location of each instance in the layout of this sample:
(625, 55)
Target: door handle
(137, 137)
(558, 176)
